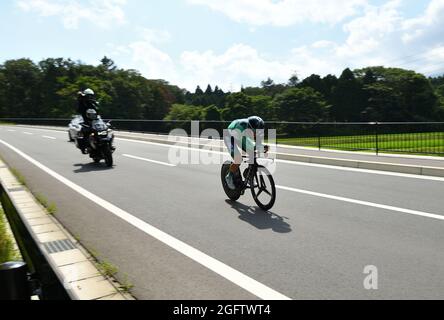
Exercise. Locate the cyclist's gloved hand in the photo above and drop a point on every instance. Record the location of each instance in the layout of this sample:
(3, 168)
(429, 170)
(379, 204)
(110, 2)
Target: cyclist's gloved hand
(266, 148)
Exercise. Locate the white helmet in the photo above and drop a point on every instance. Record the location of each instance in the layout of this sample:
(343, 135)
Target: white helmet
(88, 92)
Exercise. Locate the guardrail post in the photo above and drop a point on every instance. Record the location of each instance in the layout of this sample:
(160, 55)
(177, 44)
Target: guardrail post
(377, 137)
(319, 136)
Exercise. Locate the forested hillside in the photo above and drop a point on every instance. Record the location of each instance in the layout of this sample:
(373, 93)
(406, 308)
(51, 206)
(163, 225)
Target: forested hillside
(47, 89)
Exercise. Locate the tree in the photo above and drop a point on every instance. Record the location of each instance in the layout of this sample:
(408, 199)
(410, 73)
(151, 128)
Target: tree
(50, 88)
(348, 98)
(185, 112)
(271, 88)
(22, 97)
(211, 113)
(293, 81)
(399, 95)
(300, 105)
(263, 107)
(254, 91)
(268, 86)
(238, 106)
(315, 82)
(199, 91)
(108, 64)
(209, 90)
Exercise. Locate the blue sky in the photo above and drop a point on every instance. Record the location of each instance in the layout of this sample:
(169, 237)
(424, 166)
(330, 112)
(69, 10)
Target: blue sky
(229, 43)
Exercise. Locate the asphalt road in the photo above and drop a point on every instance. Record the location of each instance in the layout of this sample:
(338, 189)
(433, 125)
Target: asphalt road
(328, 223)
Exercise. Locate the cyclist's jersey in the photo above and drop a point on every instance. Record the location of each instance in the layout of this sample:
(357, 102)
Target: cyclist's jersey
(237, 128)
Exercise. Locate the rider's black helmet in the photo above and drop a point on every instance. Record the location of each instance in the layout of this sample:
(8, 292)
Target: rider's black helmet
(91, 114)
(256, 123)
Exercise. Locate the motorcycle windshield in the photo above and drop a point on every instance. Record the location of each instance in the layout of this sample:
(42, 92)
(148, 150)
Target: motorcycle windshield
(99, 126)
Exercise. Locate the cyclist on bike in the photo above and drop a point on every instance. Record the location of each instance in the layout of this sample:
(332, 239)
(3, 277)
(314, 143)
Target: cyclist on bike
(242, 134)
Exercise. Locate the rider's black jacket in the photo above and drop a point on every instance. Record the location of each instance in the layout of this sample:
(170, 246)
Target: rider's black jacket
(83, 104)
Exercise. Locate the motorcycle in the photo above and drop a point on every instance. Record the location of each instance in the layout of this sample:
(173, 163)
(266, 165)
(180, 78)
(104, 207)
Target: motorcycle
(98, 138)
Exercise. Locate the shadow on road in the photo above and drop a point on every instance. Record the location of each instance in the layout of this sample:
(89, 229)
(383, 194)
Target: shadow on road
(261, 219)
(90, 167)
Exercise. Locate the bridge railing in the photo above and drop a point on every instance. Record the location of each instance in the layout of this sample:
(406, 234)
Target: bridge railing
(424, 138)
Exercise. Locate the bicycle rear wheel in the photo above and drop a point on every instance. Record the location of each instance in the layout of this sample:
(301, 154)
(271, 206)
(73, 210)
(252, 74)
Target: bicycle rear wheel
(263, 189)
(233, 195)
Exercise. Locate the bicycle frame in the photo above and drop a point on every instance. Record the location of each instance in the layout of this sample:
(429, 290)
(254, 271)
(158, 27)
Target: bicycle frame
(252, 169)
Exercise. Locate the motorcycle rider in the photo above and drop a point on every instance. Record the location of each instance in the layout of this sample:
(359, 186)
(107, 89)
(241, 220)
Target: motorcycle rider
(86, 100)
(88, 107)
(242, 134)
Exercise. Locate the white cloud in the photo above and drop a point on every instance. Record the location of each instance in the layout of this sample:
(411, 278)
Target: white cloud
(238, 64)
(145, 55)
(381, 36)
(284, 12)
(103, 13)
(367, 33)
(429, 24)
(373, 38)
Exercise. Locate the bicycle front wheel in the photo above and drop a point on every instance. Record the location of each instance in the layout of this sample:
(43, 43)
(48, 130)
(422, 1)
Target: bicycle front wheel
(263, 189)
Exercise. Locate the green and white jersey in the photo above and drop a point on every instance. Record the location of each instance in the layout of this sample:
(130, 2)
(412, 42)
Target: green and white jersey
(237, 129)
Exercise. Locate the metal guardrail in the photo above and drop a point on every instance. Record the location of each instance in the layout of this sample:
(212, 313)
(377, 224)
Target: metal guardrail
(425, 138)
(39, 269)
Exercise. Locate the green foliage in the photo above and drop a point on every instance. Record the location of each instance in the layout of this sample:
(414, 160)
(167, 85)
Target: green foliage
(49, 89)
(301, 105)
(211, 113)
(348, 98)
(238, 106)
(186, 112)
(50, 207)
(21, 179)
(271, 88)
(7, 251)
(263, 107)
(208, 98)
(107, 269)
(125, 285)
(370, 94)
(398, 95)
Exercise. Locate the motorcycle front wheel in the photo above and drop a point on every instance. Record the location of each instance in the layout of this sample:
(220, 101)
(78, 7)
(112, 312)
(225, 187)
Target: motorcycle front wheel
(108, 155)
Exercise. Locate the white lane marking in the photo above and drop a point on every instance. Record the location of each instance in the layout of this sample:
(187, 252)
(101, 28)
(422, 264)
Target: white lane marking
(364, 203)
(256, 288)
(384, 173)
(44, 130)
(296, 163)
(48, 137)
(149, 160)
(29, 133)
(382, 155)
(10, 130)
